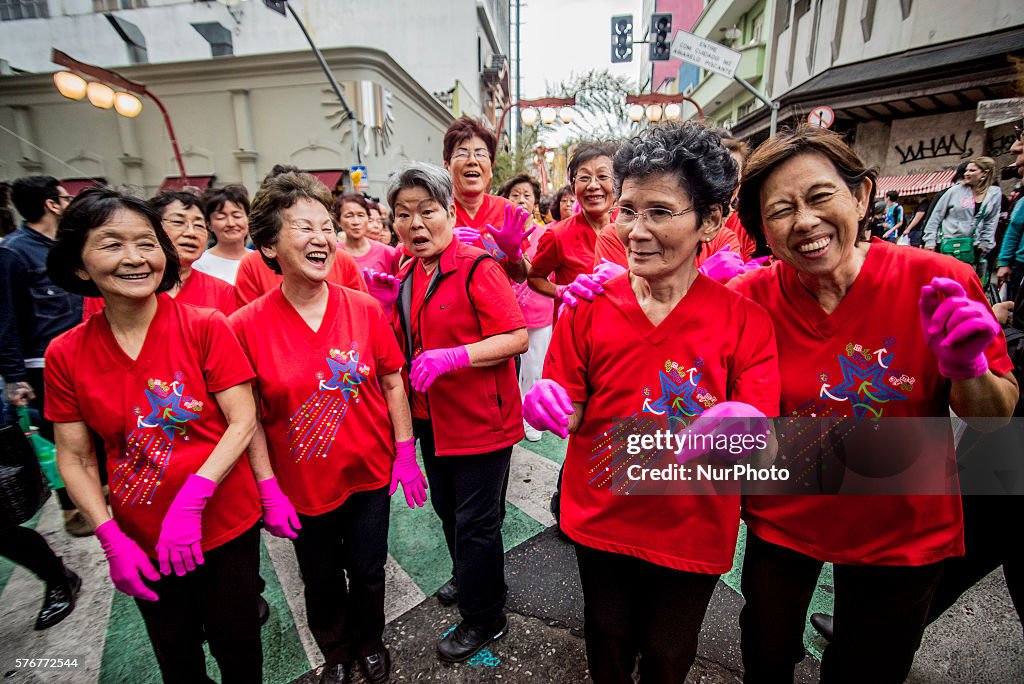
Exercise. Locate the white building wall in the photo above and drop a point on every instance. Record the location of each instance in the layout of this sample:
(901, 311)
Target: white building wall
(436, 42)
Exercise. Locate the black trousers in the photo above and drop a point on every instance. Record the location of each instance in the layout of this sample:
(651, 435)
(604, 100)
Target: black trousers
(216, 601)
(466, 492)
(29, 548)
(880, 615)
(635, 608)
(351, 541)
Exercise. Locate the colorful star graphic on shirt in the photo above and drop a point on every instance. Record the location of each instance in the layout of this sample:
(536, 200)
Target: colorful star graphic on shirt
(345, 374)
(166, 411)
(677, 396)
(864, 388)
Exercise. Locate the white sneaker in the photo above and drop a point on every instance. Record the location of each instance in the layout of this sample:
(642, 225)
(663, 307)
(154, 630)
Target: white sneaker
(532, 435)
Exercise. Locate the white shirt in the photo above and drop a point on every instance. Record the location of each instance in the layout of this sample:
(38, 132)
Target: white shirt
(218, 267)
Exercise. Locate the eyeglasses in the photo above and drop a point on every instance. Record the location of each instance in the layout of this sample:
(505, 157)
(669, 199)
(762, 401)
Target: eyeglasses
(585, 180)
(179, 224)
(655, 217)
(479, 155)
(66, 198)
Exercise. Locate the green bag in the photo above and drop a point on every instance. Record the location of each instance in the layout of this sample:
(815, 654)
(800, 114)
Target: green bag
(45, 450)
(961, 248)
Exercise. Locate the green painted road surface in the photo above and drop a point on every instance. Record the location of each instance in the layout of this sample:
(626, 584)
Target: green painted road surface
(107, 636)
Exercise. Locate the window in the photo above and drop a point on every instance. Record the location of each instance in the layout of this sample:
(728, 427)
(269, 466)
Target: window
(757, 29)
(745, 109)
(113, 5)
(12, 10)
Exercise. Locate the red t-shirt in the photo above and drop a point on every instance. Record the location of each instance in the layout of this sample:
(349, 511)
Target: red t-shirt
(714, 346)
(199, 290)
(609, 247)
(157, 415)
(327, 423)
(565, 251)
(255, 278)
(381, 258)
(867, 359)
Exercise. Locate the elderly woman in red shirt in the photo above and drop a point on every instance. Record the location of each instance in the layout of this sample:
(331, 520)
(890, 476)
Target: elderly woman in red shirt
(460, 327)
(167, 388)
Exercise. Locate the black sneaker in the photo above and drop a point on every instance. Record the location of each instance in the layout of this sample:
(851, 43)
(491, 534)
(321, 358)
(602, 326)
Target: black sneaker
(822, 623)
(465, 640)
(377, 666)
(59, 601)
(448, 594)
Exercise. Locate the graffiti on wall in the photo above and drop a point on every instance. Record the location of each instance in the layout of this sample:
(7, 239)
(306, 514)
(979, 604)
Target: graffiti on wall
(949, 145)
(998, 145)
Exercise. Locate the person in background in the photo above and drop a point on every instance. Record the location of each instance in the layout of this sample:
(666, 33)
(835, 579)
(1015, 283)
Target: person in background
(375, 226)
(893, 217)
(968, 210)
(916, 226)
(1011, 253)
(370, 255)
(482, 219)
(185, 225)
(334, 415)
(562, 203)
(227, 215)
(524, 191)
(167, 387)
(33, 310)
(460, 327)
(7, 222)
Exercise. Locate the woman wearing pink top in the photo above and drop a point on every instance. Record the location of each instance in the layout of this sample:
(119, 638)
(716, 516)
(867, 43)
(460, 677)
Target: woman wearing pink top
(371, 256)
(523, 191)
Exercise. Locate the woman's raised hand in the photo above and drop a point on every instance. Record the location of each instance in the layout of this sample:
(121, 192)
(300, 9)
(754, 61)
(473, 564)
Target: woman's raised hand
(956, 328)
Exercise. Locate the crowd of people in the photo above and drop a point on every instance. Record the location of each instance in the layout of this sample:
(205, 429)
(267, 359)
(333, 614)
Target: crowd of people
(210, 365)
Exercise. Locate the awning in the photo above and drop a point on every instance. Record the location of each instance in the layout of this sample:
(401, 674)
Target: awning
(916, 183)
(329, 178)
(175, 183)
(77, 185)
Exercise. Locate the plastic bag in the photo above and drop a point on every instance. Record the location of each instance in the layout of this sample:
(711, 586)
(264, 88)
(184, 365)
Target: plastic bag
(45, 450)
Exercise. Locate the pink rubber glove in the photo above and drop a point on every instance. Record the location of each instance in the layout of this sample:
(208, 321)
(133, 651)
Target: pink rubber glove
(587, 285)
(723, 265)
(511, 236)
(433, 363)
(182, 529)
(378, 279)
(407, 471)
(547, 406)
(467, 235)
(726, 418)
(279, 516)
(956, 328)
(129, 565)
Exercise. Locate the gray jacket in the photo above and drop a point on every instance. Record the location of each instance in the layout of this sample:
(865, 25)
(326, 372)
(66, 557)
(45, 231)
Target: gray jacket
(954, 212)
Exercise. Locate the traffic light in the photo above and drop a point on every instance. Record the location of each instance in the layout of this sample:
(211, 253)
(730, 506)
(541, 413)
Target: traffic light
(622, 38)
(661, 37)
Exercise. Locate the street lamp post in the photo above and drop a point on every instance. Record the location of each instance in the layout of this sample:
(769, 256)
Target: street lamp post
(116, 79)
(547, 114)
(656, 105)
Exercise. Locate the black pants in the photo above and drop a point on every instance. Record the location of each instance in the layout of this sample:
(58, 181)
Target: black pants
(466, 492)
(216, 600)
(635, 608)
(29, 548)
(880, 615)
(346, 618)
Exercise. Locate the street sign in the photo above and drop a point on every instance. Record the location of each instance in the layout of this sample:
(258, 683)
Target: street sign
(821, 116)
(712, 56)
(995, 112)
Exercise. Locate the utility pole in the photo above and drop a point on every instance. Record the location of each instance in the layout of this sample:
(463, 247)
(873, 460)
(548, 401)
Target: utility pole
(519, 80)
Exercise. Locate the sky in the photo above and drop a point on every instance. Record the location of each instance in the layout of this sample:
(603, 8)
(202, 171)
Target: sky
(563, 37)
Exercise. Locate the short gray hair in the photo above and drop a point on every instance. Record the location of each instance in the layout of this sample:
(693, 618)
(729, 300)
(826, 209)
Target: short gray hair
(435, 180)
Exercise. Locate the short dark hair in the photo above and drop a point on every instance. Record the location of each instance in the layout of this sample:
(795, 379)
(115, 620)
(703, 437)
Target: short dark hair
(372, 204)
(281, 169)
(587, 151)
(30, 193)
(91, 209)
(165, 198)
(350, 197)
(506, 189)
(464, 128)
(688, 152)
(214, 199)
(892, 195)
(276, 195)
(556, 202)
(773, 152)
